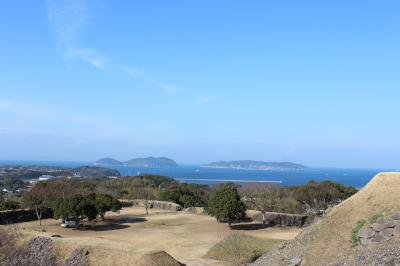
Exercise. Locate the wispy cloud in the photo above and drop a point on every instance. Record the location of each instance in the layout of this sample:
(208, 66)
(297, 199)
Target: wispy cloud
(91, 56)
(68, 20)
(132, 71)
(168, 88)
(203, 100)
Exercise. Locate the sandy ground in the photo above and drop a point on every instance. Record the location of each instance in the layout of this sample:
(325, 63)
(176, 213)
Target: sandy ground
(125, 236)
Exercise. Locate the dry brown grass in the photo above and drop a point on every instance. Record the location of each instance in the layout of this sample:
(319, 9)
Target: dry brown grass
(240, 249)
(129, 235)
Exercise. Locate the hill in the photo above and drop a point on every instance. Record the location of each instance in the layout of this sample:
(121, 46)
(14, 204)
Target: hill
(86, 171)
(108, 161)
(138, 162)
(329, 240)
(151, 162)
(256, 165)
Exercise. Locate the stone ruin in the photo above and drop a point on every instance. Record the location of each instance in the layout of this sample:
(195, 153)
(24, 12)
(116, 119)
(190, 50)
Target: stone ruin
(381, 230)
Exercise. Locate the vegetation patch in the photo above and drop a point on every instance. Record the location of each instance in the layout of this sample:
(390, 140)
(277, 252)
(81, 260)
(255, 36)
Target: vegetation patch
(240, 249)
(354, 233)
(375, 218)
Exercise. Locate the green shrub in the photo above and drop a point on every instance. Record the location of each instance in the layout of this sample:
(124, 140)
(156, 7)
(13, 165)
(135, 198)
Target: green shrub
(375, 218)
(354, 237)
(9, 205)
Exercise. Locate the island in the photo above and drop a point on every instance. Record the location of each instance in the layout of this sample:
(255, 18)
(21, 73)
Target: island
(139, 162)
(108, 161)
(256, 165)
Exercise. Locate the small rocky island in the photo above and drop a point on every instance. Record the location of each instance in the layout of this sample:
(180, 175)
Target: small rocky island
(256, 165)
(139, 162)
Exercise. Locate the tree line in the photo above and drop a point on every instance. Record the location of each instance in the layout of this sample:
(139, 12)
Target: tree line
(226, 202)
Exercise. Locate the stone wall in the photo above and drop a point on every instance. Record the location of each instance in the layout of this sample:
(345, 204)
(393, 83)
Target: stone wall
(164, 205)
(283, 219)
(383, 229)
(195, 210)
(18, 216)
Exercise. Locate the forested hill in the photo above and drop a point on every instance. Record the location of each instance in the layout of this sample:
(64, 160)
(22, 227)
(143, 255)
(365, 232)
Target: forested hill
(139, 162)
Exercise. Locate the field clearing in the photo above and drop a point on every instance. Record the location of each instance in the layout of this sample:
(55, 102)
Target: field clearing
(124, 237)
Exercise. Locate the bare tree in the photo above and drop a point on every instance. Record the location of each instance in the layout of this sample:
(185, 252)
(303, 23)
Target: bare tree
(34, 199)
(261, 197)
(142, 190)
(235, 247)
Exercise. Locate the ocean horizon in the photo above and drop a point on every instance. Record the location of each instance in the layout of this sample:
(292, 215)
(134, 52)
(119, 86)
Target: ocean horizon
(192, 173)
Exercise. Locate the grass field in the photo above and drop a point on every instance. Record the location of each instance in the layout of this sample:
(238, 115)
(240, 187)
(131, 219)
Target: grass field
(124, 237)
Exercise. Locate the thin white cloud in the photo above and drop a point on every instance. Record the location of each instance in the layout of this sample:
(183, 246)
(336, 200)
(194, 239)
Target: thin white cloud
(68, 20)
(91, 56)
(168, 88)
(131, 71)
(203, 100)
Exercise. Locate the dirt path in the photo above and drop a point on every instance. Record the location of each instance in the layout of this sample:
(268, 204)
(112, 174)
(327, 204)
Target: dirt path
(123, 237)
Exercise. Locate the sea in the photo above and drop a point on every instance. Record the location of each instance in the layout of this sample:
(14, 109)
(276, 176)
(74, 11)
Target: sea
(355, 177)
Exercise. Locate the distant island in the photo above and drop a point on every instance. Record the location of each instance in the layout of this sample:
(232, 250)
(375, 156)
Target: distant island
(139, 162)
(108, 161)
(256, 165)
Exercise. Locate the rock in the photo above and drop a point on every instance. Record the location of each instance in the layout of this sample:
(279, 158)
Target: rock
(283, 245)
(396, 230)
(366, 232)
(396, 217)
(364, 241)
(56, 236)
(295, 261)
(379, 227)
(376, 238)
(38, 252)
(78, 258)
(158, 258)
(387, 233)
(388, 259)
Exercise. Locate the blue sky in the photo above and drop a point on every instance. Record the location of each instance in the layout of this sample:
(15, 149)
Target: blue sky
(314, 82)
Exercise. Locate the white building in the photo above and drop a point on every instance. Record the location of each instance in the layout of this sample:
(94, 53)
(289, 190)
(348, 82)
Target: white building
(45, 177)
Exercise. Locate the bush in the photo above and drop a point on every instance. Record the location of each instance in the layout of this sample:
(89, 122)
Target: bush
(9, 205)
(186, 195)
(226, 205)
(78, 206)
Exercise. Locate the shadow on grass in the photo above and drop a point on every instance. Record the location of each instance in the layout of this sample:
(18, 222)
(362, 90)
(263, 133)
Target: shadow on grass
(113, 223)
(252, 226)
(125, 219)
(105, 227)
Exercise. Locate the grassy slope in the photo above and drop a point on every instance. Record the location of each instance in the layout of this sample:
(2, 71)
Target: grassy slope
(250, 248)
(330, 238)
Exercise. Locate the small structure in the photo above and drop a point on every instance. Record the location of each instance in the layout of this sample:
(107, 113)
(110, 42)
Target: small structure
(45, 177)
